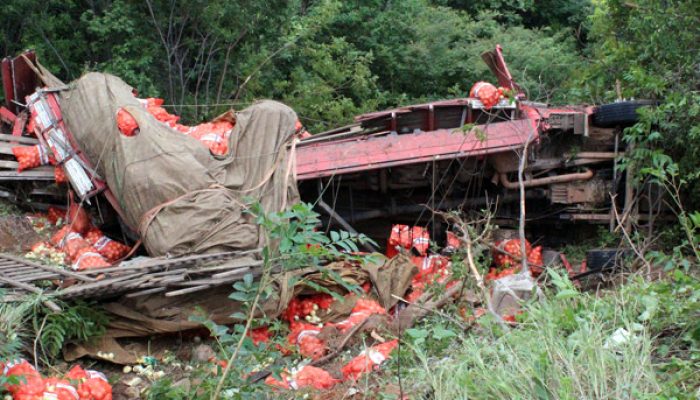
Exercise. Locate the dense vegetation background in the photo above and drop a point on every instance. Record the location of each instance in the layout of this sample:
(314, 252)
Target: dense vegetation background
(331, 60)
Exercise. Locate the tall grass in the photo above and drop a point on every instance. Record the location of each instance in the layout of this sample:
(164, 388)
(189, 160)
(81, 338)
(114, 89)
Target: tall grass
(559, 351)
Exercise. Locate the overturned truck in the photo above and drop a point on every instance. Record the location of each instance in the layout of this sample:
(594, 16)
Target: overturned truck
(182, 191)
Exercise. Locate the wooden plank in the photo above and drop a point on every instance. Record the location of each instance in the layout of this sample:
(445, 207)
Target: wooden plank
(42, 173)
(36, 276)
(144, 292)
(9, 164)
(233, 264)
(239, 274)
(6, 148)
(18, 139)
(75, 289)
(179, 262)
(50, 304)
(180, 292)
(48, 268)
(193, 289)
(7, 116)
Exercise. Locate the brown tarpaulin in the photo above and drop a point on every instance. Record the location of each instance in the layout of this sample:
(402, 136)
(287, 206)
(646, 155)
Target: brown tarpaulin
(180, 197)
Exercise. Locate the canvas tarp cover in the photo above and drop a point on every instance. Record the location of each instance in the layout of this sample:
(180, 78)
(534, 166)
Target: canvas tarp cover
(180, 197)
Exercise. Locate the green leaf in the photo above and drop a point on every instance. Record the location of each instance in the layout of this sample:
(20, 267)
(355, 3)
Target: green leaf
(567, 294)
(440, 333)
(239, 296)
(248, 279)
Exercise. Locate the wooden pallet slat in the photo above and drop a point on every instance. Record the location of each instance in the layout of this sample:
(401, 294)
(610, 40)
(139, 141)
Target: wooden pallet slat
(173, 277)
(18, 139)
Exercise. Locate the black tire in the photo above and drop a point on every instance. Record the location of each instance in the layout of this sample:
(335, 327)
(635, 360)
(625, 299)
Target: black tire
(600, 260)
(623, 113)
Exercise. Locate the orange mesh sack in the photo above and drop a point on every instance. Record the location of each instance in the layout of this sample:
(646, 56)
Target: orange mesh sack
(214, 135)
(126, 123)
(59, 389)
(78, 218)
(306, 337)
(408, 237)
(368, 360)
(59, 175)
(30, 157)
(88, 258)
(508, 253)
(73, 243)
(153, 105)
(362, 310)
(57, 238)
(92, 385)
(488, 94)
(110, 249)
(308, 376)
(31, 385)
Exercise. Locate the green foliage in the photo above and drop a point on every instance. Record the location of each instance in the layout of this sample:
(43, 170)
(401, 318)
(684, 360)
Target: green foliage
(651, 47)
(8, 209)
(163, 389)
(13, 318)
(80, 322)
(293, 242)
(329, 60)
(296, 242)
(563, 349)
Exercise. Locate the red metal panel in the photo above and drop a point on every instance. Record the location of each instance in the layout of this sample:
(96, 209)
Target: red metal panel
(7, 116)
(7, 82)
(497, 64)
(331, 158)
(18, 79)
(20, 123)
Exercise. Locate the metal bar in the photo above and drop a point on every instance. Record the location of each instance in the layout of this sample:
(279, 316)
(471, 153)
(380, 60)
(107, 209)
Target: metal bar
(340, 220)
(7, 116)
(18, 126)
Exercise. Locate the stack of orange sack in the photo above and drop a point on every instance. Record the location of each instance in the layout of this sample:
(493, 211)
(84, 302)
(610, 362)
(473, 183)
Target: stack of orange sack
(507, 259)
(318, 378)
(29, 157)
(305, 326)
(303, 314)
(77, 384)
(305, 329)
(214, 135)
(432, 268)
(84, 245)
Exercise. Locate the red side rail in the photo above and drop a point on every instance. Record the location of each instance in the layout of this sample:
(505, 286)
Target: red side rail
(363, 154)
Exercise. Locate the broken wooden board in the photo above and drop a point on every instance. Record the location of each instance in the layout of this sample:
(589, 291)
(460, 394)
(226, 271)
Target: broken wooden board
(177, 276)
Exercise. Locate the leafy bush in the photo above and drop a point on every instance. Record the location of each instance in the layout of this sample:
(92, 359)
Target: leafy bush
(293, 242)
(80, 321)
(13, 319)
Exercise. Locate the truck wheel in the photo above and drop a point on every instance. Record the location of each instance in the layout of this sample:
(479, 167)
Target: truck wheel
(623, 113)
